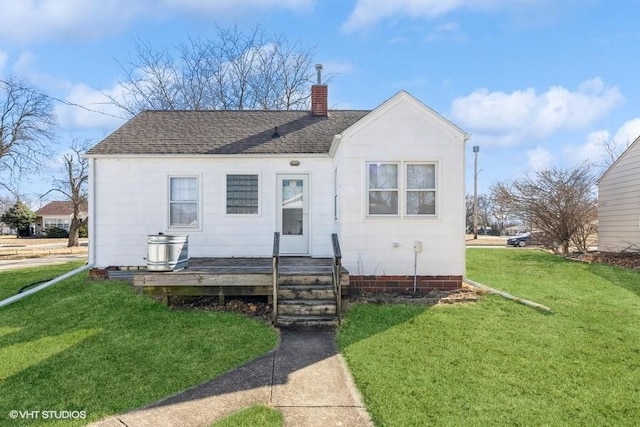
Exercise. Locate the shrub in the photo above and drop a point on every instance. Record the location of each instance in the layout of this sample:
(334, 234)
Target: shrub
(56, 233)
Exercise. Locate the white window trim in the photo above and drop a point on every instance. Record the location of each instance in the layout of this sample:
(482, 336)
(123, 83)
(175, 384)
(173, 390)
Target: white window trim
(398, 189)
(224, 201)
(198, 226)
(402, 191)
(407, 189)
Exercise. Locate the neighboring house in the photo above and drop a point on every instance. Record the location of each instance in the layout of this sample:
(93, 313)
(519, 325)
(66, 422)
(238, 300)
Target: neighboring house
(619, 203)
(381, 179)
(56, 214)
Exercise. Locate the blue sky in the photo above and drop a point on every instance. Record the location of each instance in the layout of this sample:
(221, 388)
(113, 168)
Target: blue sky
(537, 83)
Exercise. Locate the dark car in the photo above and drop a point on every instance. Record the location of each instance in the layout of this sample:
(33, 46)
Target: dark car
(520, 240)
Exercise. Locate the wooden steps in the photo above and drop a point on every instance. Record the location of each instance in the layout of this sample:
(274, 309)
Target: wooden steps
(306, 301)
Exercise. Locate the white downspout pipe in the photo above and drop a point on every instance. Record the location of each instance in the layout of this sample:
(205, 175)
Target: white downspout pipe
(38, 288)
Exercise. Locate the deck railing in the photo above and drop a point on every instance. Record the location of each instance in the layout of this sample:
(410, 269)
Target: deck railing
(337, 273)
(275, 267)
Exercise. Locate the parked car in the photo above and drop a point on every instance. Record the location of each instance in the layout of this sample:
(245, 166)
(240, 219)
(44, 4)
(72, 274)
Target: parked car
(520, 240)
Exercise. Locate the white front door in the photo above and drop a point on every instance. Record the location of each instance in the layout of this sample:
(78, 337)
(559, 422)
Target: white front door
(293, 214)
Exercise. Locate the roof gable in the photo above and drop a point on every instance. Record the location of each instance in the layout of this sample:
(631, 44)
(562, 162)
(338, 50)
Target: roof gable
(403, 97)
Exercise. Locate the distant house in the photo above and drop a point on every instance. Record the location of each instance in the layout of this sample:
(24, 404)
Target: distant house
(388, 181)
(619, 203)
(56, 214)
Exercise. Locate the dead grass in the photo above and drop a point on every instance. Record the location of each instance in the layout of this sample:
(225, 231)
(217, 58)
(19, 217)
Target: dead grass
(14, 248)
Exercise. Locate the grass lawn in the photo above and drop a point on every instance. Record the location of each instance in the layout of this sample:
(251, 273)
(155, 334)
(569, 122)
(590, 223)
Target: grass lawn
(254, 416)
(496, 362)
(99, 347)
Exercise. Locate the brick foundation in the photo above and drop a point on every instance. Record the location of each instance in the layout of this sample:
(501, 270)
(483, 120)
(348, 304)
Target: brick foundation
(402, 284)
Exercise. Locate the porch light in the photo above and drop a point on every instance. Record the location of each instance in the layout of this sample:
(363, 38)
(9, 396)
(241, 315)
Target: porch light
(294, 163)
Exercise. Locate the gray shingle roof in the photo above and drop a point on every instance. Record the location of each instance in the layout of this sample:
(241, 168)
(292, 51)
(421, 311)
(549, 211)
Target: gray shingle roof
(227, 132)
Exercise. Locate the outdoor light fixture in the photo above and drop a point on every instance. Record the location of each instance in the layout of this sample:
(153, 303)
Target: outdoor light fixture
(294, 163)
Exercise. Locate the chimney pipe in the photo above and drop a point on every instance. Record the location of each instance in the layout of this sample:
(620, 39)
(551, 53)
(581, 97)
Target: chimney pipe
(319, 96)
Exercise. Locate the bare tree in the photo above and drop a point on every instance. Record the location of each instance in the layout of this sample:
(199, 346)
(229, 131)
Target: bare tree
(26, 129)
(561, 203)
(501, 207)
(73, 186)
(613, 150)
(235, 71)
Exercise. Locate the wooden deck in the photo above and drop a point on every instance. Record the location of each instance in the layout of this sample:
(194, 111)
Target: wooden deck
(232, 276)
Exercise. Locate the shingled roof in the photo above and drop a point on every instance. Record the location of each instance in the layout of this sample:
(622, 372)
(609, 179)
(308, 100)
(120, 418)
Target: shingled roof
(227, 132)
(58, 208)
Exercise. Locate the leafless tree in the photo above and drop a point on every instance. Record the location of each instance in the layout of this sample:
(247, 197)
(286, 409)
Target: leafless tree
(561, 203)
(73, 186)
(234, 71)
(26, 129)
(501, 206)
(613, 150)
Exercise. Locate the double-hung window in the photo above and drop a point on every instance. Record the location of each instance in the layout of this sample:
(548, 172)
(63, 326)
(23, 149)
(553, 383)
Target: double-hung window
(421, 189)
(243, 194)
(383, 188)
(183, 202)
(406, 189)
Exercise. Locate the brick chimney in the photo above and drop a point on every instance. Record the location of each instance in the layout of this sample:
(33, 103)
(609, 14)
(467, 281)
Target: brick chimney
(319, 96)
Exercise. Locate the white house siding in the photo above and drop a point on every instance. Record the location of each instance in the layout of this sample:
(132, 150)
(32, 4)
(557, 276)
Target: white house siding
(131, 202)
(619, 203)
(402, 130)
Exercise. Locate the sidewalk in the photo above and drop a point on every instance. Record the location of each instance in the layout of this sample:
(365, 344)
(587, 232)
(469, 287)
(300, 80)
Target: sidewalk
(305, 378)
(11, 264)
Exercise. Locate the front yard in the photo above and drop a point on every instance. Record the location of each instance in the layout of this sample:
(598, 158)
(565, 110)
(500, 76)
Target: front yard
(496, 362)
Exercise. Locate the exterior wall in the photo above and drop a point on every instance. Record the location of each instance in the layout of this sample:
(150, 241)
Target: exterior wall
(131, 202)
(619, 203)
(402, 130)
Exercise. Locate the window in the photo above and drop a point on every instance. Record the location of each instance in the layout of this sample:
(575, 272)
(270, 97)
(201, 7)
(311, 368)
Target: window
(383, 189)
(183, 202)
(57, 223)
(242, 194)
(421, 189)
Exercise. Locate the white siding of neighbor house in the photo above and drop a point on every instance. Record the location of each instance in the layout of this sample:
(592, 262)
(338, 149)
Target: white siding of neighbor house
(402, 130)
(131, 202)
(619, 203)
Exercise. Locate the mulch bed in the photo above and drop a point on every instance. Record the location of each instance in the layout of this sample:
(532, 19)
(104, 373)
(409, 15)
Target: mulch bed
(257, 307)
(630, 260)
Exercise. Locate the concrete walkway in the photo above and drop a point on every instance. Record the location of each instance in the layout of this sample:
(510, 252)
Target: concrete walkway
(305, 378)
(39, 262)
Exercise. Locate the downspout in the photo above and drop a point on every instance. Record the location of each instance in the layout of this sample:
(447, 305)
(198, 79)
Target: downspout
(92, 247)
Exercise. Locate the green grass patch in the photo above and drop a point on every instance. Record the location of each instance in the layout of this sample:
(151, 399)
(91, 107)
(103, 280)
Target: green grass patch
(497, 362)
(258, 415)
(12, 280)
(101, 348)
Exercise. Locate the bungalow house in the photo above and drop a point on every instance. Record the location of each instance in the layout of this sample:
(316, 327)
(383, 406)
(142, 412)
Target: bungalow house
(389, 182)
(619, 203)
(56, 214)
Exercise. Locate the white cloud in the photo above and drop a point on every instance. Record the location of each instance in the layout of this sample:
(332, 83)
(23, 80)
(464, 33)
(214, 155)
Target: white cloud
(88, 108)
(369, 12)
(594, 150)
(501, 118)
(63, 19)
(450, 30)
(539, 158)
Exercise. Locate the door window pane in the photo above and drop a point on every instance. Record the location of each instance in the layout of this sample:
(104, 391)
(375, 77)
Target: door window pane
(292, 206)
